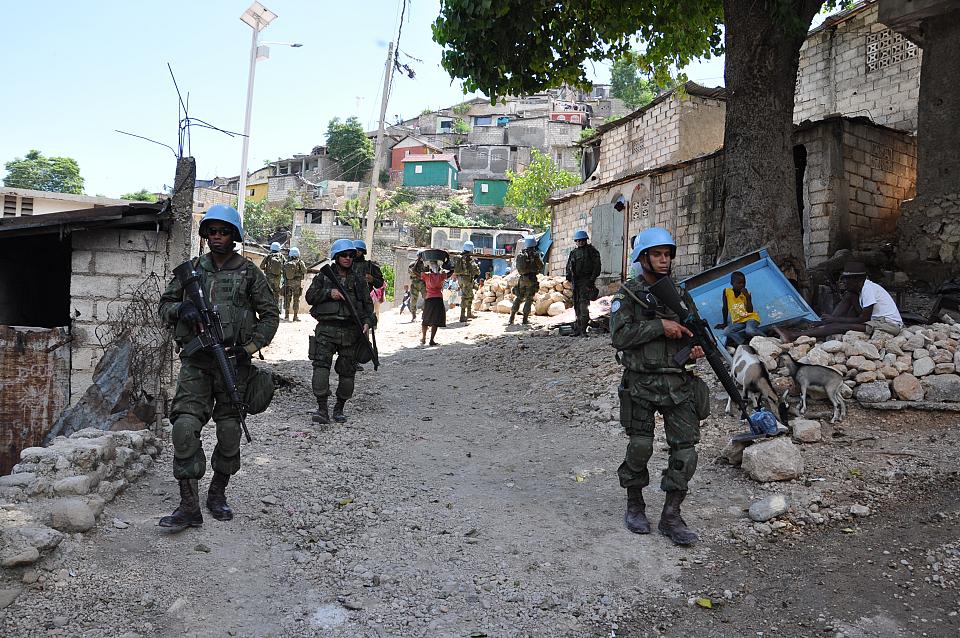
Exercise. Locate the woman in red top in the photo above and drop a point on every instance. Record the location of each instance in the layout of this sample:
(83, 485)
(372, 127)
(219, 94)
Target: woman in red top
(434, 312)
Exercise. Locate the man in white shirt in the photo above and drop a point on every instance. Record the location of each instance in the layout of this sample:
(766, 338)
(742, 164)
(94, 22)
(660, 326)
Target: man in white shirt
(865, 303)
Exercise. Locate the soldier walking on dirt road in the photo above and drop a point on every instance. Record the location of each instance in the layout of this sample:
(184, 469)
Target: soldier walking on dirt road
(647, 336)
(336, 332)
(529, 265)
(250, 317)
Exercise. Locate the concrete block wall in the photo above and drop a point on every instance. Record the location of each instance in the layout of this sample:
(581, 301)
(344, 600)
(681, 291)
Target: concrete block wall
(834, 77)
(108, 266)
(651, 140)
(880, 168)
(823, 200)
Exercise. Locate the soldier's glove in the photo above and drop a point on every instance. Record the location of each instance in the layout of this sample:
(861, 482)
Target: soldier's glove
(189, 313)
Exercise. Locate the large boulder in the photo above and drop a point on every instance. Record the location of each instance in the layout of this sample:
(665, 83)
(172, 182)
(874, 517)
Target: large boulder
(874, 392)
(776, 459)
(906, 387)
(942, 388)
(556, 308)
(504, 307)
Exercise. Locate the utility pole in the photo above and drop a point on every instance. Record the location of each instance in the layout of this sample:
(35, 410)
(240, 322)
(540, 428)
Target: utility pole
(372, 210)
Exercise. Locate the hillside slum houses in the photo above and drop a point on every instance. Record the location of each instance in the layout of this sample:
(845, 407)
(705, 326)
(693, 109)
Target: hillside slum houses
(855, 152)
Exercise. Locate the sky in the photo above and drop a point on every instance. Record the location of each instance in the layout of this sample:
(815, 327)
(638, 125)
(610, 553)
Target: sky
(77, 71)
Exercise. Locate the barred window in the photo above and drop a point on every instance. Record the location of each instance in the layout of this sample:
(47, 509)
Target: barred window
(887, 47)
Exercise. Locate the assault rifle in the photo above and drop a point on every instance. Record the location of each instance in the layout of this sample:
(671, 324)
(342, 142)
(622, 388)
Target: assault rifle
(210, 337)
(666, 291)
(366, 349)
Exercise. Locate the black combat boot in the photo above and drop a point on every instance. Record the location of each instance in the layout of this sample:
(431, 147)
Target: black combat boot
(513, 315)
(187, 513)
(322, 414)
(338, 415)
(672, 524)
(526, 320)
(286, 316)
(217, 497)
(470, 314)
(636, 516)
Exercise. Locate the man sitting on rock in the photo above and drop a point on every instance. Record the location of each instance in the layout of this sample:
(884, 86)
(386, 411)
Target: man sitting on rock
(865, 304)
(738, 305)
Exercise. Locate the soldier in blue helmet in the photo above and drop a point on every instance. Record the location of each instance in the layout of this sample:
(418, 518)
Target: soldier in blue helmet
(583, 268)
(336, 333)
(272, 267)
(466, 270)
(250, 317)
(294, 270)
(647, 335)
(528, 264)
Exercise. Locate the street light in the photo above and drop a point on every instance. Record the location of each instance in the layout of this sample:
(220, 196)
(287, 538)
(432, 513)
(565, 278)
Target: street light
(257, 17)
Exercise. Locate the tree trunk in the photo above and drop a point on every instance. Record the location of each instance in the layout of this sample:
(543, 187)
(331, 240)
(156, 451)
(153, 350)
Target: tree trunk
(763, 39)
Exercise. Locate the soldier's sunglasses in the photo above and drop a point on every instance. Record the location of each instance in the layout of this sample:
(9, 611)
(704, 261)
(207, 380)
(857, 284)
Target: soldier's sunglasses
(223, 232)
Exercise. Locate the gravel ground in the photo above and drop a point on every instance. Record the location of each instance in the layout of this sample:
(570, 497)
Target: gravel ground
(473, 493)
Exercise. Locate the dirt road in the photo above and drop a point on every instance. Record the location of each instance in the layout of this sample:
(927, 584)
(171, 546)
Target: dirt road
(473, 492)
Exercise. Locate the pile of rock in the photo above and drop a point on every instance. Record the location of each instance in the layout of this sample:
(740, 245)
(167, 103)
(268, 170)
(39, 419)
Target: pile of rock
(496, 294)
(63, 488)
(918, 364)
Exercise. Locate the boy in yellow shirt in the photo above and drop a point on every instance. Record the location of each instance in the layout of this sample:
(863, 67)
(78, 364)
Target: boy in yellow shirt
(744, 322)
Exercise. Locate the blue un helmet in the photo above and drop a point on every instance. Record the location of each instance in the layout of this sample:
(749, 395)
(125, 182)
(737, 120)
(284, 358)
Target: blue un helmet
(275, 247)
(341, 246)
(529, 242)
(580, 234)
(222, 213)
(468, 247)
(359, 244)
(652, 237)
(763, 422)
(294, 252)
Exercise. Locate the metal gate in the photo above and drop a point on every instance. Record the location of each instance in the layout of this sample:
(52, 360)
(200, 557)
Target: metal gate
(34, 387)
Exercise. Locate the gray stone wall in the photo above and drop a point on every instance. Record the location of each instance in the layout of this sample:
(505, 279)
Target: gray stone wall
(859, 67)
(929, 237)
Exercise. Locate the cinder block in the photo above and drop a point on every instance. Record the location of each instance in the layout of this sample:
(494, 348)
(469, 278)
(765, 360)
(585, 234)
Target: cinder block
(81, 261)
(143, 240)
(82, 309)
(120, 262)
(93, 286)
(95, 239)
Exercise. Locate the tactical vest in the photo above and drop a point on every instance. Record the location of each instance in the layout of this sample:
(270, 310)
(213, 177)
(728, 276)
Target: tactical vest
(293, 271)
(228, 291)
(465, 267)
(657, 354)
(272, 265)
(335, 310)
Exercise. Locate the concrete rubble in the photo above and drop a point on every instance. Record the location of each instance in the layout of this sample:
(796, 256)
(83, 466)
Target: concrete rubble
(63, 488)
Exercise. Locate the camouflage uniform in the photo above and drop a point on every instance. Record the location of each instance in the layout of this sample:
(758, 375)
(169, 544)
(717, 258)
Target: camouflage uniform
(467, 271)
(529, 264)
(652, 382)
(294, 270)
(337, 333)
(272, 267)
(250, 317)
(417, 286)
(583, 268)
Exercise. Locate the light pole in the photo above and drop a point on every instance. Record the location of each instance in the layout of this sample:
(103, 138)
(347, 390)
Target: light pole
(257, 17)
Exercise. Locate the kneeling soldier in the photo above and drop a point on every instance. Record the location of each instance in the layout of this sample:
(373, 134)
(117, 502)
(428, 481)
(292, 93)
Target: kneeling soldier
(250, 316)
(336, 332)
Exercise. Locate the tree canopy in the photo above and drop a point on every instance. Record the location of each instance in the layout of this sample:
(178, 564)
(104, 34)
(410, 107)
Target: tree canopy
(142, 195)
(53, 174)
(528, 191)
(480, 39)
(349, 146)
(628, 84)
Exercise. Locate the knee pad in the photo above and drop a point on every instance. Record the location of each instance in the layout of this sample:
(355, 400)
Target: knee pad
(186, 434)
(683, 459)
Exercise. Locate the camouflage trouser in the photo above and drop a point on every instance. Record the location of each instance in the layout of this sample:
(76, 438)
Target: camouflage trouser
(274, 287)
(526, 289)
(200, 394)
(334, 339)
(415, 292)
(581, 303)
(681, 424)
(291, 299)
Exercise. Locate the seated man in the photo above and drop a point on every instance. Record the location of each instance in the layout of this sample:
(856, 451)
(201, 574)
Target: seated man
(865, 302)
(738, 305)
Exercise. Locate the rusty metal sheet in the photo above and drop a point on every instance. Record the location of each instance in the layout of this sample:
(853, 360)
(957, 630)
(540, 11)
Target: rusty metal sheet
(34, 387)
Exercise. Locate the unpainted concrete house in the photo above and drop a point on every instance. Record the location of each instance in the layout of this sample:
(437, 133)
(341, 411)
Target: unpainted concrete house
(855, 155)
(66, 279)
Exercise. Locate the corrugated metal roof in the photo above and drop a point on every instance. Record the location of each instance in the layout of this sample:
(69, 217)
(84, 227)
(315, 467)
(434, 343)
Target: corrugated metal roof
(128, 214)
